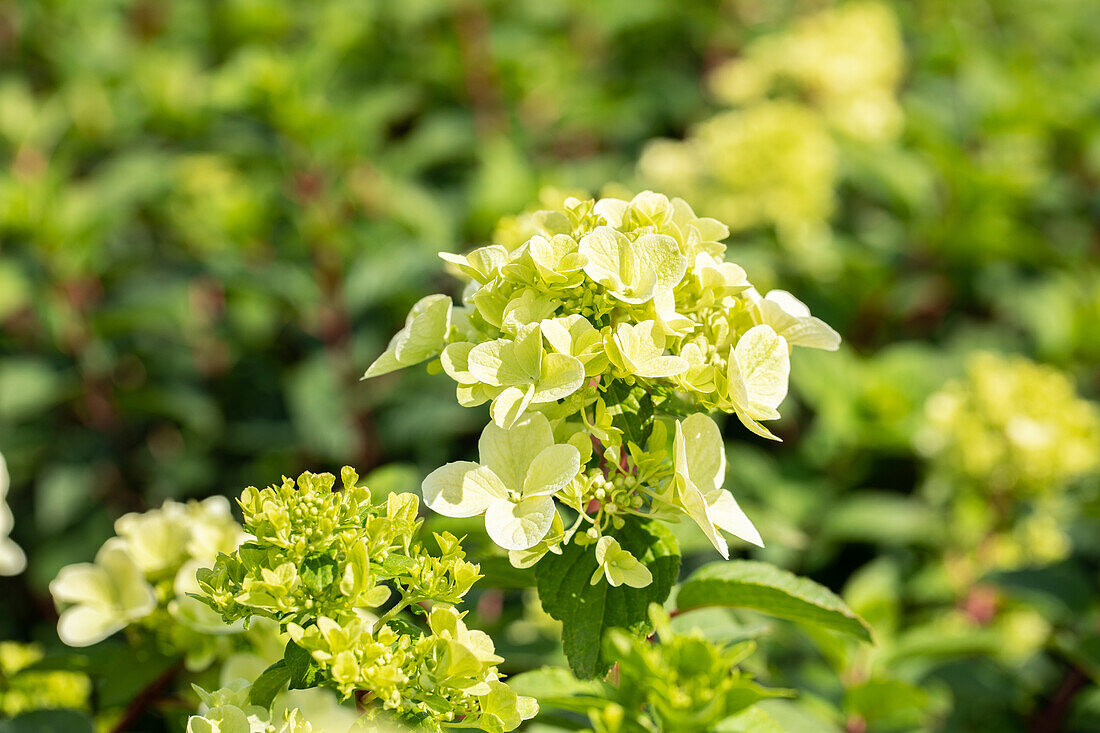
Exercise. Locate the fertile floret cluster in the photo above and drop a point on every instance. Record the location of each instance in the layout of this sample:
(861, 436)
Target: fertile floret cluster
(319, 553)
(320, 560)
(599, 341)
(1006, 442)
(1012, 425)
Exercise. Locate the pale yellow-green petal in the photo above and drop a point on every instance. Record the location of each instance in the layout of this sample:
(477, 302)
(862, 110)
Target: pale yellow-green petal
(424, 330)
(562, 375)
(461, 489)
(131, 592)
(510, 405)
(726, 514)
(764, 363)
(551, 470)
(82, 583)
(693, 502)
(387, 362)
(85, 625)
(494, 363)
(603, 248)
(456, 362)
(509, 452)
(706, 452)
(520, 525)
(627, 570)
(660, 254)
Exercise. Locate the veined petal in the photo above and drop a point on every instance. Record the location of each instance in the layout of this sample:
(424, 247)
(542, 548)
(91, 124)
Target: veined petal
(520, 525)
(641, 352)
(668, 321)
(763, 366)
(562, 375)
(425, 329)
(494, 363)
(788, 303)
(551, 470)
(387, 362)
(705, 451)
(659, 254)
(456, 362)
(462, 489)
(612, 210)
(604, 249)
(791, 319)
(472, 395)
(727, 515)
(510, 404)
(481, 264)
(691, 499)
(509, 452)
(751, 423)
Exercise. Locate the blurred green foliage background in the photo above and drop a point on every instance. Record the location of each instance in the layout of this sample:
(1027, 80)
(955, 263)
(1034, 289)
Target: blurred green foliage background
(214, 214)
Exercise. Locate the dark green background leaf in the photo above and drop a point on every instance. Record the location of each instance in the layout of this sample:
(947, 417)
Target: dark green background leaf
(771, 590)
(587, 610)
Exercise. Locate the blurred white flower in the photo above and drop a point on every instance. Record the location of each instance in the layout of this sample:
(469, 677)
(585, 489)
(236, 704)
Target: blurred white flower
(12, 559)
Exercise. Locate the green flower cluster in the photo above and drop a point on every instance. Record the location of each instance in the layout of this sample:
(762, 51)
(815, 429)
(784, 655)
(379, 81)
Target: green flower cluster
(320, 553)
(320, 559)
(23, 689)
(447, 676)
(774, 158)
(146, 574)
(1011, 425)
(589, 339)
(1006, 441)
(676, 682)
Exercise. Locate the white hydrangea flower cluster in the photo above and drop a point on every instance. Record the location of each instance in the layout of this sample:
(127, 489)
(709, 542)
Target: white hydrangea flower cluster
(12, 559)
(145, 574)
(600, 342)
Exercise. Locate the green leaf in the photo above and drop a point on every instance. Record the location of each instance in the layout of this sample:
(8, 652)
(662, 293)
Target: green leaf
(302, 669)
(497, 572)
(631, 410)
(121, 671)
(556, 688)
(48, 721)
(27, 386)
(586, 610)
(395, 564)
(881, 700)
(317, 575)
(753, 720)
(771, 590)
(269, 684)
(884, 519)
(1059, 591)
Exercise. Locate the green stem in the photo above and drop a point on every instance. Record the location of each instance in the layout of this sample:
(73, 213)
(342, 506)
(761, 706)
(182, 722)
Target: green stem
(388, 615)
